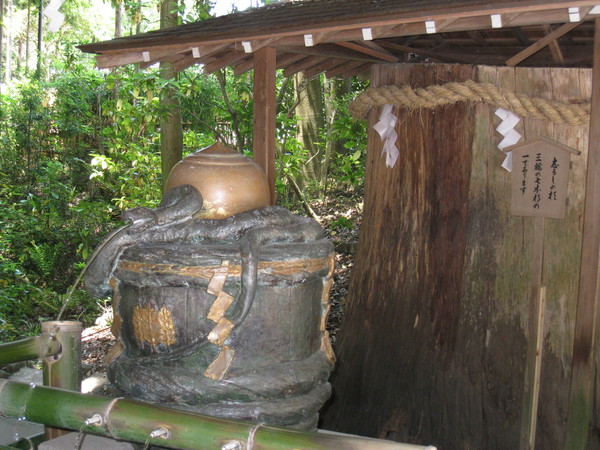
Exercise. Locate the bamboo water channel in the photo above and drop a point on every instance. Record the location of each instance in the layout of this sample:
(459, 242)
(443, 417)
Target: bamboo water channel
(130, 420)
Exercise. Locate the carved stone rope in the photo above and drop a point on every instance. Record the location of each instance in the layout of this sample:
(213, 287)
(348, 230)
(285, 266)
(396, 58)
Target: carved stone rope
(470, 91)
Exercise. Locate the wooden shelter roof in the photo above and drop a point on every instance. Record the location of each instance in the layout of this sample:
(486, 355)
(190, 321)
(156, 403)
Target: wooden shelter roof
(345, 37)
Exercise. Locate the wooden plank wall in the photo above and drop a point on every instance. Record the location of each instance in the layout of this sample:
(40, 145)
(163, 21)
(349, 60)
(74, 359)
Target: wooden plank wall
(432, 346)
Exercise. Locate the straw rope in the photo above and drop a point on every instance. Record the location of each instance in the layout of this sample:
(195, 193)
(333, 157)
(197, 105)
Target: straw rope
(469, 91)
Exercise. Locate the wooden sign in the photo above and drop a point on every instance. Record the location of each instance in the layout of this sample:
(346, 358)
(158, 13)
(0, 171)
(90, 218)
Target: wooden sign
(539, 178)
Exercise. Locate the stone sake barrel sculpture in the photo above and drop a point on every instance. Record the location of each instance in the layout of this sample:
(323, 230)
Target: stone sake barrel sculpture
(224, 317)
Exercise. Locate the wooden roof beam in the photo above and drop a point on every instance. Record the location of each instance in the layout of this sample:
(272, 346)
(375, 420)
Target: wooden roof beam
(358, 70)
(377, 32)
(328, 64)
(368, 48)
(428, 53)
(151, 56)
(312, 39)
(251, 46)
(332, 51)
(176, 60)
(343, 68)
(244, 66)
(478, 37)
(303, 64)
(468, 23)
(550, 11)
(185, 62)
(537, 46)
(286, 59)
(231, 58)
(440, 25)
(521, 36)
(116, 59)
(554, 47)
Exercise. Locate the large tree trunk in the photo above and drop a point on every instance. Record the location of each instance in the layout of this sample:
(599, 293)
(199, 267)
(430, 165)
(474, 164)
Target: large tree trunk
(311, 122)
(432, 346)
(171, 131)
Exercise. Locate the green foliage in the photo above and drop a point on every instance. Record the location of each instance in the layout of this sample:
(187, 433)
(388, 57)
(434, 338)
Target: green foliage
(81, 146)
(342, 223)
(347, 168)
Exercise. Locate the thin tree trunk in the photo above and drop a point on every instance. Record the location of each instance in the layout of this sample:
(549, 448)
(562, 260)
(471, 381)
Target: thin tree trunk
(118, 19)
(118, 33)
(27, 37)
(39, 40)
(171, 132)
(1, 40)
(235, 121)
(8, 62)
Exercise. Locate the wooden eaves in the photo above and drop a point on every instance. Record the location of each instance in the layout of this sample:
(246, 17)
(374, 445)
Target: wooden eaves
(477, 32)
(346, 37)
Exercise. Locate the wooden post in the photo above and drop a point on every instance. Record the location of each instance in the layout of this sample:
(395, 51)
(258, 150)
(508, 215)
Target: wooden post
(535, 340)
(581, 399)
(264, 113)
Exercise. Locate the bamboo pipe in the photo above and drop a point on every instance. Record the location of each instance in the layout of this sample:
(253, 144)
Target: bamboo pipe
(63, 369)
(29, 348)
(135, 421)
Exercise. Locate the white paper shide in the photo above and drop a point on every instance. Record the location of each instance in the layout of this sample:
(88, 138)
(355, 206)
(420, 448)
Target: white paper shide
(386, 127)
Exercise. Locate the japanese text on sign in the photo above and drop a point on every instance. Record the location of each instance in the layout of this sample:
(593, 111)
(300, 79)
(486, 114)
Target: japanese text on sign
(539, 185)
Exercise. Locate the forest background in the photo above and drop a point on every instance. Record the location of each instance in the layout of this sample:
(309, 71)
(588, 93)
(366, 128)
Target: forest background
(80, 145)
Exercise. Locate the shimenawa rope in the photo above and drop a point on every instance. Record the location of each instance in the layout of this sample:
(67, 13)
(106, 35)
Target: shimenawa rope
(469, 91)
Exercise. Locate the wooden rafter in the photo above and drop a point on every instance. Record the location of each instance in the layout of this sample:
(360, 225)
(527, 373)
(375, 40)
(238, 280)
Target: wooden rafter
(428, 53)
(244, 66)
(521, 36)
(554, 47)
(328, 64)
(303, 64)
(331, 50)
(231, 57)
(464, 17)
(537, 46)
(285, 59)
(183, 63)
(254, 45)
(374, 51)
(451, 34)
(362, 69)
(478, 38)
(343, 68)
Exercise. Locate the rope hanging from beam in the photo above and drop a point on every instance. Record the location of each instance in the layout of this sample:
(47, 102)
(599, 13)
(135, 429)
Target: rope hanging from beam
(469, 91)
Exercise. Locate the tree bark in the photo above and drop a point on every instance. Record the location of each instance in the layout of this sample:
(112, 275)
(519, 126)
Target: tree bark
(432, 347)
(171, 130)
(310, 114)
